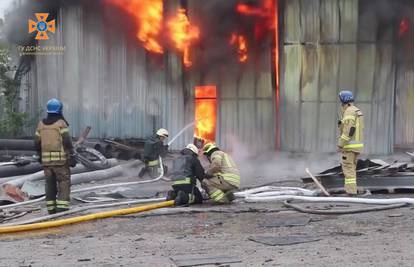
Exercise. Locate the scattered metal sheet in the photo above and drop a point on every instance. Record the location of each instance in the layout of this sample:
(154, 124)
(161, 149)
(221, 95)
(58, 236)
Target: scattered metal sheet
(286, 222)
(34, 188)
(283, 240)
(9, 193)
(197, 260)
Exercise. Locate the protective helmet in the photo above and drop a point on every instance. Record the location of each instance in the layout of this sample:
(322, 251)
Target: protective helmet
(346, 97)
(192, 148)
(54, 106)
(162, 132)
(208, 147)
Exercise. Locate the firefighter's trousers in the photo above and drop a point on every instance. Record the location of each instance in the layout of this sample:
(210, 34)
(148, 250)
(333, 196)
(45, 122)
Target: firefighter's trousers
(192, 194)
(349, 164)
(57, 188)
(219, 189)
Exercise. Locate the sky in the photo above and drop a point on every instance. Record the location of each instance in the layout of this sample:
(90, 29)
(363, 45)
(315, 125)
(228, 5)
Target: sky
(4, 5)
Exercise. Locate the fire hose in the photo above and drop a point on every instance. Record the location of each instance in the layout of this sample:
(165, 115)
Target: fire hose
(84, 218)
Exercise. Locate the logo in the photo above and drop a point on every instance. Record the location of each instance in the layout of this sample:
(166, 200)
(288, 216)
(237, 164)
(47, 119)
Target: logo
(42, 26)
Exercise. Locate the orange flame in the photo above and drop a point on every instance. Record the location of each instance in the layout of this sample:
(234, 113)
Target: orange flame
(148, 16)
(205, 113)
(183, 34)
(241, 43)
(404, 27)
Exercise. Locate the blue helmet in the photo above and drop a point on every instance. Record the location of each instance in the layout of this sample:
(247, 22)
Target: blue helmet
(54, 106)
(346, 97)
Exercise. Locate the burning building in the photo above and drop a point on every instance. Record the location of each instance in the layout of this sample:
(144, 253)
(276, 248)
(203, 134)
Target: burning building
(264, 74)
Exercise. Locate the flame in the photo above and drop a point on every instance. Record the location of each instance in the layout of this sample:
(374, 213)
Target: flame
(183, 34)
(404, 27)
(148, 16)
(240, 42)
(205, 113)
(264, 12)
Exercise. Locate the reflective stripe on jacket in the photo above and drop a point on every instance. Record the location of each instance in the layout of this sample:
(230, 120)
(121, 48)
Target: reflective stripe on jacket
(223, 165)
(351, 140)
(53, 152)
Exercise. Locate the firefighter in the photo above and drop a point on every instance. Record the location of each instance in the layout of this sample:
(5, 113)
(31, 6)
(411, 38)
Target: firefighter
(186, 169)
(153, 149)
(56, 153)
(222, 176)
(350, 141)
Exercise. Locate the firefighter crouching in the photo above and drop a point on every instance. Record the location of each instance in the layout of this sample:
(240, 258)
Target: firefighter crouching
(186, 169)
(350, 141)
(153, 149)
(222, 176)
(55, 149)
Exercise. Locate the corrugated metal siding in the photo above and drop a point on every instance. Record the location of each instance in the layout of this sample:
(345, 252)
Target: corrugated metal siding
(246, 105)
(322, 55)
(109, 83)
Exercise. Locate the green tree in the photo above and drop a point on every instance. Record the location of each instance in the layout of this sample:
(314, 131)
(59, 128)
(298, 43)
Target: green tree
(12, 121)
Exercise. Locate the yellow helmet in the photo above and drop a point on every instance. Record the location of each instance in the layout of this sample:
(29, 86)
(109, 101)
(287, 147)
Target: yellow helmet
(208, 147)
(192, 148)
(162, 132)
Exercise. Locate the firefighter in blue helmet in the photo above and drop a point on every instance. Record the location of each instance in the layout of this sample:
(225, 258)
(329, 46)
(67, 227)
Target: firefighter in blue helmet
(56, 152)
(350, 141)
(186, 170)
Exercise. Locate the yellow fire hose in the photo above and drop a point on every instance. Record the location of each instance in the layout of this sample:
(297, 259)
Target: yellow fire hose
(84, 218)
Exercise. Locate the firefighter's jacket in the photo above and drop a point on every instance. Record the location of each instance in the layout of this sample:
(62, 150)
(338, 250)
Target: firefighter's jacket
(52, 141)
(186, 169)
(223, 165)
(351, 129)
(153, 149)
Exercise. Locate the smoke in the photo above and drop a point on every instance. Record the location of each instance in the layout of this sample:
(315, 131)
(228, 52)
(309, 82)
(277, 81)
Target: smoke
(270, 166)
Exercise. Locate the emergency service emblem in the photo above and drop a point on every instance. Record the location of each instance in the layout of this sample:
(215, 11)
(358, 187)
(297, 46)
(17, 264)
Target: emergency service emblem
(42, 26)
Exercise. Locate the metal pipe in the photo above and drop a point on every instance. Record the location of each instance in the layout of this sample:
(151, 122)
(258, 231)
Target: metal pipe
(79, 168)
(12, 170)
(16, 144)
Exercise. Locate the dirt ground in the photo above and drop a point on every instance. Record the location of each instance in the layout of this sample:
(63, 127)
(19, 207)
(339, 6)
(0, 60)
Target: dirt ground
(383, 238)
(371, 239)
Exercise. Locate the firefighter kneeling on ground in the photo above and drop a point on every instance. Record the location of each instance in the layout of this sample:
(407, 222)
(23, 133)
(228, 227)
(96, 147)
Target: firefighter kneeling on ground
(350, 141)
(186, 169)
(222, 177)
(153, 149)
(55, 150)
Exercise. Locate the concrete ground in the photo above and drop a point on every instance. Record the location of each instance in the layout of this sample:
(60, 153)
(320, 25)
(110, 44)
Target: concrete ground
(382, 238)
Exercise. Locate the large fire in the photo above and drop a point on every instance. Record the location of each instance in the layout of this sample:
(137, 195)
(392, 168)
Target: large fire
(205, 113)
(148, 16)
(240, 42)
(183, 34)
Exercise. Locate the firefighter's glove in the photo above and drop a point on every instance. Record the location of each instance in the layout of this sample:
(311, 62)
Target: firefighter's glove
(339, 123)
(72, 160)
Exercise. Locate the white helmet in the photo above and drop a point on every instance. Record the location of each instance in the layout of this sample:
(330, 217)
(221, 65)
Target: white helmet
(192, 148)
(162, 132)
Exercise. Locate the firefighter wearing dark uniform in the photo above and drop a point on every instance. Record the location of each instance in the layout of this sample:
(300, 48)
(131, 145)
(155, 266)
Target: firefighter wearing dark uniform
(186, 169)
(54, 146)
(153, 149)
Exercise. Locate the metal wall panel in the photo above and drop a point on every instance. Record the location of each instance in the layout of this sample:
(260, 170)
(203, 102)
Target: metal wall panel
(324, 62)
